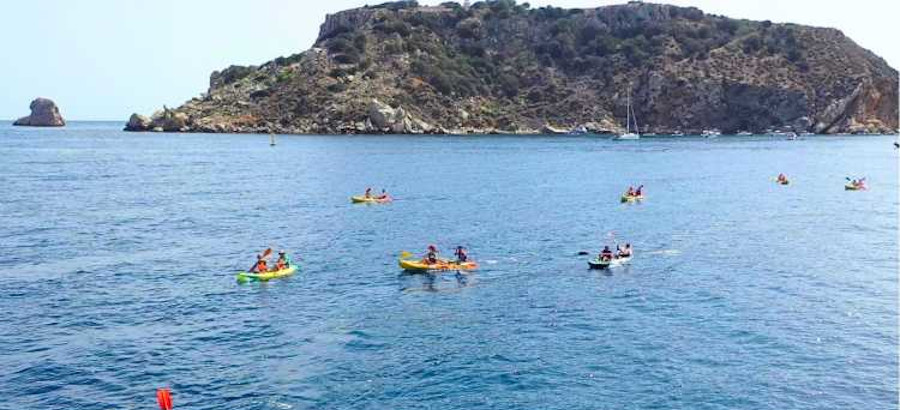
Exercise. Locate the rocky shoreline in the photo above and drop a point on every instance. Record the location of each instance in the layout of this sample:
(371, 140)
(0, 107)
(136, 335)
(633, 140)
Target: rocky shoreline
(493, 68)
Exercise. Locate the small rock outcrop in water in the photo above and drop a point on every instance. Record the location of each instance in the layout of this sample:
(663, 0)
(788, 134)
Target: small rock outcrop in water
(44, 113)
(137, 122)
(502, 67)
(166, 120)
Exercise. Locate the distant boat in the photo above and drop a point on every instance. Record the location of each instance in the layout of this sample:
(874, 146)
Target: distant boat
(579, 130)
(711, 133)
(677, 134)
(791, 136)
(629, 114)
(744, 133)
(271, 140)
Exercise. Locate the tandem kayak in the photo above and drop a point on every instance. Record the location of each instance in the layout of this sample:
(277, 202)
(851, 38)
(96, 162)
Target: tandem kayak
(262, 277)
(414, 265)
(632, 198)
(596, 263)
(360, 199)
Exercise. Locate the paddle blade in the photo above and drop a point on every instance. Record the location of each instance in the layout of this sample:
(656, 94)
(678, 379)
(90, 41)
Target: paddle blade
(267, 252)
(164, 399)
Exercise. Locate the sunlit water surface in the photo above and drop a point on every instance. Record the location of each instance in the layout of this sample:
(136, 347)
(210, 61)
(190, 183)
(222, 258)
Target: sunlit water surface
(119, 252)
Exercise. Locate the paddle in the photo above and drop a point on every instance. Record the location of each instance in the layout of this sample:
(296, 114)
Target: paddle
(265, 254)
(164, 399)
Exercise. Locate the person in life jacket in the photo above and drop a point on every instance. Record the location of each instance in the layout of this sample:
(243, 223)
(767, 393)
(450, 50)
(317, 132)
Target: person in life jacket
(630, 191)
(431, 256)
(283, 262)
(261, 265)
(782, 178)
(606, 254)
(461, 254)
(383, 195)
(639, 191)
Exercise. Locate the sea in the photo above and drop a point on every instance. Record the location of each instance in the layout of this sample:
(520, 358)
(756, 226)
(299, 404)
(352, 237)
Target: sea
(118, 256)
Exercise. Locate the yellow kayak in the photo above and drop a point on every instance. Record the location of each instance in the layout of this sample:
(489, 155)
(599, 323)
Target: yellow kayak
(262, 277)
(851, 187)
(361, 199)
(632, 198)
(416, 265)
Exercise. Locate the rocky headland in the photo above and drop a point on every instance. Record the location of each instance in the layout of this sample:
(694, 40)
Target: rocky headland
(502, 67)
(44, 113)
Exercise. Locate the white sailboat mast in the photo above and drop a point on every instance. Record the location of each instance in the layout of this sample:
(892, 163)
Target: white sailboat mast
(628, 111)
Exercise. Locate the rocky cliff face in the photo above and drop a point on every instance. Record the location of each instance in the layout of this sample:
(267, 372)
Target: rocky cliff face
(44, 113)
(501, 67)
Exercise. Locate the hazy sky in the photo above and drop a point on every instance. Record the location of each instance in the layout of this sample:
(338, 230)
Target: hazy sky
(104, 59)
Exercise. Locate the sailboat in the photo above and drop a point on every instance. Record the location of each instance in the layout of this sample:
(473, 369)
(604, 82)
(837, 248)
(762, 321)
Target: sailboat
(629, 114)
(271, 140)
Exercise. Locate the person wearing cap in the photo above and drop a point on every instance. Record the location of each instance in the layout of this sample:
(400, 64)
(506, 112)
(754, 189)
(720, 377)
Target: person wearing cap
(431, 256)
(283, 261)
(461, 254)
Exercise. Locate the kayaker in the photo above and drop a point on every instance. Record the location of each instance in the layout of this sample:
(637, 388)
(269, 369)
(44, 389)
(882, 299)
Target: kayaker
(606, 254)
(782, 178)
(639, 191)
(431, 256)
(368, 192)
(283, 261)
(261, 265)
(461, 254)
(383, 195)
(625, 252)
(630, 191)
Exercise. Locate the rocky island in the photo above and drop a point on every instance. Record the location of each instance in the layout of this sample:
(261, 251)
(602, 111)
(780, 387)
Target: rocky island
(501, 67)
(44, 113)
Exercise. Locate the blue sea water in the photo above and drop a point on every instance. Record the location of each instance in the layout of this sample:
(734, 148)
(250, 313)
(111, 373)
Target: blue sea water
(118, 253)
